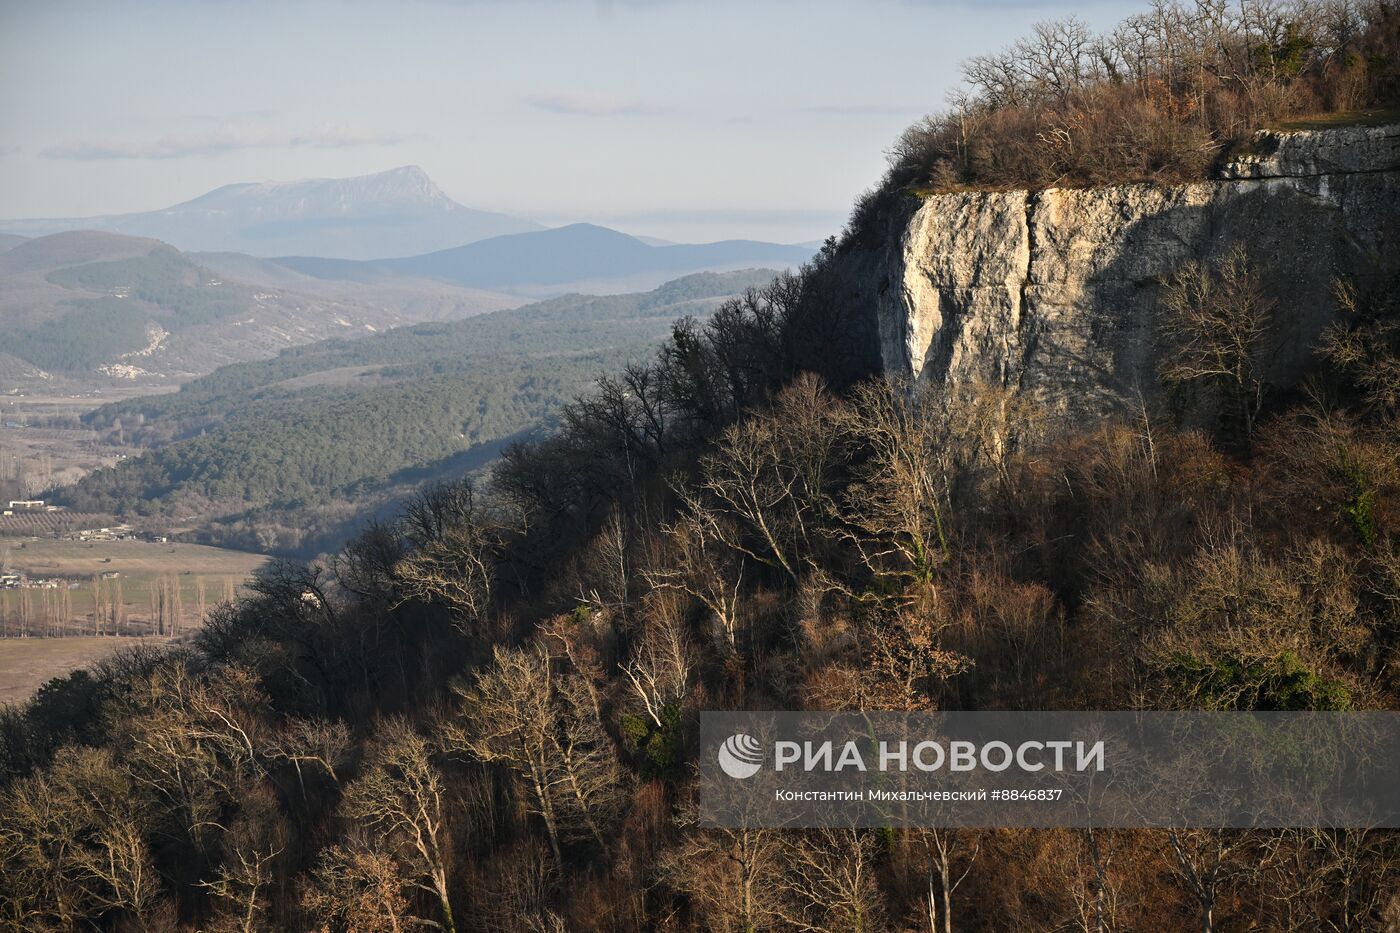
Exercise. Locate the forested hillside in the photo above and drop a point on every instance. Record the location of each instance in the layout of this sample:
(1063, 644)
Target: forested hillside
(116, 305)
(482, 714)
(343, 420)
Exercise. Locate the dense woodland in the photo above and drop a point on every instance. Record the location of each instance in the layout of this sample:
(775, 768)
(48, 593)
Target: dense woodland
(481, 715)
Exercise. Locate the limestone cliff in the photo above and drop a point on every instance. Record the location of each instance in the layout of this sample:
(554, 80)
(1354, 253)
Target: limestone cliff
(1056, 292)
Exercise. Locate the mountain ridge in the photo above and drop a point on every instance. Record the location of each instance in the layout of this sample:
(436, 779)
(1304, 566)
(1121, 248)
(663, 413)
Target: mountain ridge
(559, 256)
(397, 212)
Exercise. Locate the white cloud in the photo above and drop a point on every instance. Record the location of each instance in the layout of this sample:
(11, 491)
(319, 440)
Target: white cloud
(225, 139)
(592, 104)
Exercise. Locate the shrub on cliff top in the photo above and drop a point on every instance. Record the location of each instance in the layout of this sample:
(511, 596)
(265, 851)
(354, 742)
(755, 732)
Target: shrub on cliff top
(1161, 97)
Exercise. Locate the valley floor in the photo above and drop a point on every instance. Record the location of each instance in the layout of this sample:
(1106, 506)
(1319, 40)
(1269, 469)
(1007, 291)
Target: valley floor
(104, 595)
(27, 663)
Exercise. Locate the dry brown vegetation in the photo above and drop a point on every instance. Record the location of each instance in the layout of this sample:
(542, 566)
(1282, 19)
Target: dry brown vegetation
(1161, 97)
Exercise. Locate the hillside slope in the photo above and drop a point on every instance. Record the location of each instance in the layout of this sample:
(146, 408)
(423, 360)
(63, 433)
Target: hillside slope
(91, 307)
(345, 421)
(495, 709)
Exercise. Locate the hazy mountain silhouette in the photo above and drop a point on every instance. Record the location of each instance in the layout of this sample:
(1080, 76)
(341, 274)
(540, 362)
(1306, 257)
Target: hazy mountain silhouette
(575, 256)
(395, 213)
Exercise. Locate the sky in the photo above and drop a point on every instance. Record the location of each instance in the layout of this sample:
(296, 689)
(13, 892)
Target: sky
(692, 120)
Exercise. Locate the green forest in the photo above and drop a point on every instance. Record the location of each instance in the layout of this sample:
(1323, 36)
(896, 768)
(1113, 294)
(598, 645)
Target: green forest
(333, 420)
(162, 288)
(88, 333)
(165, 278)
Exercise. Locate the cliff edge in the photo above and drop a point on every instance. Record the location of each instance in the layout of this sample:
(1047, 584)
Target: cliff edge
(1056, 292)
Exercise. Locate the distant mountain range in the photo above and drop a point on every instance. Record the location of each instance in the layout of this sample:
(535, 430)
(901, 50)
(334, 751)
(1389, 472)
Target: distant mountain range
(397, 226)
(87, 307)
(579, 257)
(395, 213)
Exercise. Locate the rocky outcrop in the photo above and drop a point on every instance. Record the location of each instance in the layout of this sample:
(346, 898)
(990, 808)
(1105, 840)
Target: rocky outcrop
(1056, 292)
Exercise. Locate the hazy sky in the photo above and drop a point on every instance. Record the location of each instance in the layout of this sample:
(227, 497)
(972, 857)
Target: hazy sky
(689, 120)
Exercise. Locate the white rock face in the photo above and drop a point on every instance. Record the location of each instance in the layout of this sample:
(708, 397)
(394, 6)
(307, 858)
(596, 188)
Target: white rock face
(1056, 292)
(1292, 155)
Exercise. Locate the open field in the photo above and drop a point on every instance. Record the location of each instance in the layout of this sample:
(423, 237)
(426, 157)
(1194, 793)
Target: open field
(158, 591)
(133, 559)
(27, 663)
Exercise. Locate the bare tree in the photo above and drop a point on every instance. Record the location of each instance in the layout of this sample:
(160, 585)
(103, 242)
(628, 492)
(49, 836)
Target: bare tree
(241, 882)
(1206, 863)
(194, 743)
(948, 851)
(1216, 333)
(514, 887)
(357, 890)
(507, 716)
(606, 571)
(659, 670)
(310, 744)
(73, 846)
(734, 876)
(453, 556)
(631, 412)
(1092, 883)
(543, 725)
(117, 607)
(595, 782)
(927, 445)
(1365, 341)
(904, 662)
(703, 567)
(399, 801)
(773, 474)
(1056, 58)
(828, 882)
(1357, 869)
